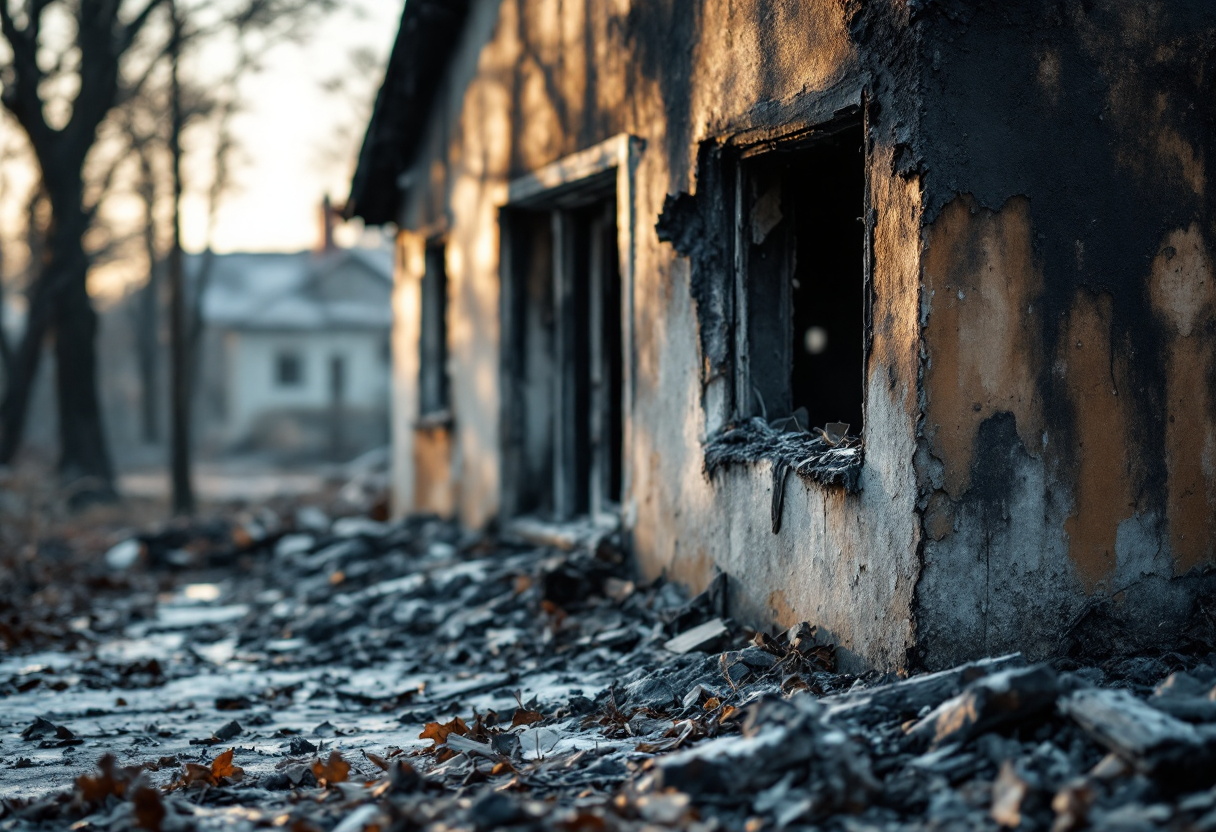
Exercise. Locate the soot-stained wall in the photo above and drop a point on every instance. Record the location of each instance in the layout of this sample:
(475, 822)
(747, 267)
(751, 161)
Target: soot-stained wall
(533, 81)
(1039, 433)
(1067, 459)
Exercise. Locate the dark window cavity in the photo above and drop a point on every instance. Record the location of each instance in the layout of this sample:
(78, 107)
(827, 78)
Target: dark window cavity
(288, 369)
(433, 339)
(337, 378)
(563, 360)
(801, 272)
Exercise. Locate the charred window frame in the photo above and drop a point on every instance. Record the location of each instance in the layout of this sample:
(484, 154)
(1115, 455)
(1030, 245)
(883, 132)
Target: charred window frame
(567, 300)
(434, 400)
(801, 267)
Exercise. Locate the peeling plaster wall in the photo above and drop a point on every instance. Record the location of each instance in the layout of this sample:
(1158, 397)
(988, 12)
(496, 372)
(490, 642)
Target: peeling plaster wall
(1066, 455)
(535, 80)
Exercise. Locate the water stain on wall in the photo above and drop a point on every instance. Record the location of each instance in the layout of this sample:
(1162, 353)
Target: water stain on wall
(1182, 292)
(1103, 457)
(982, 334)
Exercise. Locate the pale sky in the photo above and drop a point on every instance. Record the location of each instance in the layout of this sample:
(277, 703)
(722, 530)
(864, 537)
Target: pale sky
(290, 127)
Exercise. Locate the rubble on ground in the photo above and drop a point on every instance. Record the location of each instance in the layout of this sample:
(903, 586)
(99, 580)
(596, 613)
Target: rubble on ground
(289, 670)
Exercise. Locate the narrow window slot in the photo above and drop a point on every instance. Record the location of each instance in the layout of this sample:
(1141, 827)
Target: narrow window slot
(433, 335)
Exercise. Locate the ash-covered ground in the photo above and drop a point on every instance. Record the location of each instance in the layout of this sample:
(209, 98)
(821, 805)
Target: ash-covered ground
(293, 672)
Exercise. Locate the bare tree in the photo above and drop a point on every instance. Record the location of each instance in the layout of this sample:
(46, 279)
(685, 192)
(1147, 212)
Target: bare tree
(147, 326)
(59, 303)
(63, 129)
(269, 20)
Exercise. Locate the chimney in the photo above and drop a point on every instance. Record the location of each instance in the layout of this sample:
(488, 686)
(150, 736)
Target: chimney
(325, 240)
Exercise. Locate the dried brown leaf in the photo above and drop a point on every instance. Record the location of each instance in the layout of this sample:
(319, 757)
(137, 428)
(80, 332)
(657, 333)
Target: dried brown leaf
(439, 733)
(525, 717)
(194, 773)
(222, 767)
(376, 760)
(334, 770)
(149, 809)
(97, 788)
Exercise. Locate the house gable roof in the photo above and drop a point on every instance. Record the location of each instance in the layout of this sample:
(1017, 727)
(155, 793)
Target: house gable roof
(428, 33)
(296, 291)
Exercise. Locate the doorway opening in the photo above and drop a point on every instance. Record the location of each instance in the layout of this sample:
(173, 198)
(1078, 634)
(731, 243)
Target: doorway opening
(564, 361)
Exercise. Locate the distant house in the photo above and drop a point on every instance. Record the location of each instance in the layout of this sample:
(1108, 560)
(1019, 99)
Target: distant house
(295, 351)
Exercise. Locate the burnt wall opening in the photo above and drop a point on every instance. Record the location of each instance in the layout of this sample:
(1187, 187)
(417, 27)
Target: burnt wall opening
(805, 281)
(827, 190)
(528, 363)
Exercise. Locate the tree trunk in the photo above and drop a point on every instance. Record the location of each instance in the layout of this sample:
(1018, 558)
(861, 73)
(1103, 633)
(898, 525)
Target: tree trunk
(147, 327)
(84, 461)
(59, 304)
(183, 491)
(148, 346)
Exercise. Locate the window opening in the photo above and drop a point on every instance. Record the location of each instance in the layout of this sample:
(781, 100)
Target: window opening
(289, 370)
(337, 378)
(802, 234)
(433, 387)
(566, 365)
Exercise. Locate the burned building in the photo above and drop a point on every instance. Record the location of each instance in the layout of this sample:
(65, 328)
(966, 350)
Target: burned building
(654, 257)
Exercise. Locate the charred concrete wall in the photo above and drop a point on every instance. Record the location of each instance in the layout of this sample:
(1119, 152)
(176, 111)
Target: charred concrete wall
(1039, 434)
(1066, 456)
(536, 80)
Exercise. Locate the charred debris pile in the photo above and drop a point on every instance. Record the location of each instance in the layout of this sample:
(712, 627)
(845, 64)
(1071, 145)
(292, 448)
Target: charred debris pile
(357, 675)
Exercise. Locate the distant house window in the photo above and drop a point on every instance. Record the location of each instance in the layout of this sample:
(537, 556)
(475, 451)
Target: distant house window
(433, 337)
(801, 289)
(289, 370)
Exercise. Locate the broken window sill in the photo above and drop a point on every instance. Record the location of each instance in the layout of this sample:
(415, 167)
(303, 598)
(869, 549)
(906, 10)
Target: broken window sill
(810, 456)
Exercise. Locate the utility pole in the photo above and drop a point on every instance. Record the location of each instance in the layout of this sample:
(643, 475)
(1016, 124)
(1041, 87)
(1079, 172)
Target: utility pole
(183, 492)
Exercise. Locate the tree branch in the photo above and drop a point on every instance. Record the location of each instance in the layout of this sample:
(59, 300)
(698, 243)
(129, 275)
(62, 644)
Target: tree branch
(20, 94)
(132, 29)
